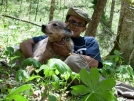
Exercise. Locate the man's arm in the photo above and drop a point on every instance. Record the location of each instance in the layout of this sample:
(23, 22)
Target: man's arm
(62, 50)
(26, 48)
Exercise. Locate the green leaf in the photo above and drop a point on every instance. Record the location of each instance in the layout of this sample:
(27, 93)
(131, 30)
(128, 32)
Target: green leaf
(107, 84)
(130, 70)
(21, 75)
(56, 85)
(31, 61)
(116, 52)
(55, 77)
(14, 58)
(105, 96)
(16, 98)
(90, 97)
(18, 53)
(95, 90)
(42, 67)
(52, 98)
(79, 89)
(10, 49)
(92, 79)
(33, 77)
(19, 90)
(66, 75)
(48, 72)
(59, 65)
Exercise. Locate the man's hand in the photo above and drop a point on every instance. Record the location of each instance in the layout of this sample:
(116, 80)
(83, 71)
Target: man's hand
(60, 49)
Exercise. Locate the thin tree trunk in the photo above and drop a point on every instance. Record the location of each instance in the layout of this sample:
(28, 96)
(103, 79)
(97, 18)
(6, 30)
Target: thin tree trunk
(29, 9)
(36, 10)
(52, 8)
(1, 3)
(92, 27)
(111, 13)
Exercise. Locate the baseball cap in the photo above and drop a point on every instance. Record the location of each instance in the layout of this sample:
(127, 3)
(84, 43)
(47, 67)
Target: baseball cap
(79, 13)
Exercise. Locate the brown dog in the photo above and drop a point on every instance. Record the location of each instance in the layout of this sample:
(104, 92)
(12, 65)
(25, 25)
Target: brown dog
(56, 31)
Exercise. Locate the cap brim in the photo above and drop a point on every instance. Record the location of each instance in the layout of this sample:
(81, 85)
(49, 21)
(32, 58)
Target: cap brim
(71, 11)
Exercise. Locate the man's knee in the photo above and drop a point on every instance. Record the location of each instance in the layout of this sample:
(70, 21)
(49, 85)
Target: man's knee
(70, 60)
(75, 62)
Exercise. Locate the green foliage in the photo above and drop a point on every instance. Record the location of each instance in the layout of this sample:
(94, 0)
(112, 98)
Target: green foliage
(59, 65)
(52, 98)
(13, 56)
(56, 78)
(114, 67)
(21, 75)
(16, 94)
(31, 61)
(93, 89)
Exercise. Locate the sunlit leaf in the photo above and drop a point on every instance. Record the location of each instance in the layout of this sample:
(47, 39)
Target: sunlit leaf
(106, 84)
(59, 65)
(10, 49)
(94, 90)
(33, 77)
(92, 79)
(79, 89)
(16, 97)
(42, 67)
(52, 98)
(31, 61)
(21, 75)
(19, 90)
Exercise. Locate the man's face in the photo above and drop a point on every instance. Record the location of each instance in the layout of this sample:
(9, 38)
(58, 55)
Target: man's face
(77, 25)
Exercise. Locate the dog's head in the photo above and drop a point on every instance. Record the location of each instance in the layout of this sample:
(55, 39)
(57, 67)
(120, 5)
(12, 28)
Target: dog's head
(56, 30)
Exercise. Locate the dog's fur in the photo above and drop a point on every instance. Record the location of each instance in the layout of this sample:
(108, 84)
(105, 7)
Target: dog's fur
(56, 31)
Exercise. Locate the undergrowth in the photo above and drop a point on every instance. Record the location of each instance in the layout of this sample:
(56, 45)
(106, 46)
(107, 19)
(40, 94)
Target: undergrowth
(54, 81)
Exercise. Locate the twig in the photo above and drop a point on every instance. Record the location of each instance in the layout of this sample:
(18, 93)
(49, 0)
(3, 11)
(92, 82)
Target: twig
(131, 56)
(20, 20)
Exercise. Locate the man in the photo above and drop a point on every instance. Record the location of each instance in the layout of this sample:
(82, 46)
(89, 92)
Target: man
(86, 50)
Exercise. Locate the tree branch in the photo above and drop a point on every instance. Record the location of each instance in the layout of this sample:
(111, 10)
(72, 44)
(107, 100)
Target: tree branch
(21, 20)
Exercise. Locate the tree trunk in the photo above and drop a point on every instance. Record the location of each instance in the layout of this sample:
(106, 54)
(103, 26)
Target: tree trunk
(92, 27)
(125, 38)
(52, 10)
(111, 13)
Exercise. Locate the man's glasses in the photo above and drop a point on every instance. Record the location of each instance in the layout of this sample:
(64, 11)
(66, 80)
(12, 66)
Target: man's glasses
(73, 22)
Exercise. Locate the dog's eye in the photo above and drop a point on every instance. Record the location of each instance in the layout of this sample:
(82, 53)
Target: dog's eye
(55, 24)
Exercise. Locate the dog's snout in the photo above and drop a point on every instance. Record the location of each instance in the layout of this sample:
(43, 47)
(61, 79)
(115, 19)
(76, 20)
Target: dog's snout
(43, 28)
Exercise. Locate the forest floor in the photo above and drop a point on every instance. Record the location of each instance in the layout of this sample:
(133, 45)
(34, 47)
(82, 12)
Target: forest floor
(8, 81)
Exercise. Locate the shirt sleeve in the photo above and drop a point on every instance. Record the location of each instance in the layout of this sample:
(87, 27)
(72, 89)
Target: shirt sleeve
(39, 38)
(93, 49)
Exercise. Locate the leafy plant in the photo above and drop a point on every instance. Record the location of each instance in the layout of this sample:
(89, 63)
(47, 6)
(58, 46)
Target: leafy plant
(13, 57)
(111, 64)
(125, 73)
(93, 90)
(57, 72)
(17, 94)
(55, 78)
(114, 67)
(30, 62)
